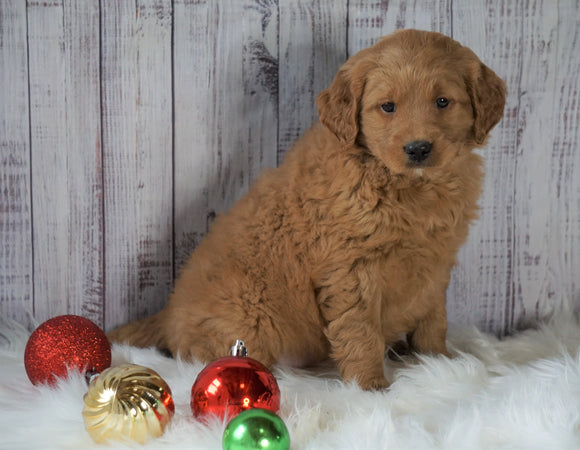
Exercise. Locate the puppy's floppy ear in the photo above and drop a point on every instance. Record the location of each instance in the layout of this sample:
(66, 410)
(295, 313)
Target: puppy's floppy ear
(338, 105)
(488, 94)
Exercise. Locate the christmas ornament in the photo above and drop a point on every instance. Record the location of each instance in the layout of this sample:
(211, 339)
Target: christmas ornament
(233, 384)
(256, 429)
(65, 343)
(127, 401)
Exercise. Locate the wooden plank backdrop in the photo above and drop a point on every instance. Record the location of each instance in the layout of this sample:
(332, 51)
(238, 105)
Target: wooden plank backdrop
(125, 127)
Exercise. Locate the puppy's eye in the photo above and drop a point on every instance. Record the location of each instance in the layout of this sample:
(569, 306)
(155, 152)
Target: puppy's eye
(389, 107)
(442, 102)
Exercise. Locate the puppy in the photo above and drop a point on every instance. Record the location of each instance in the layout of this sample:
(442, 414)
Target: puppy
(348, 244)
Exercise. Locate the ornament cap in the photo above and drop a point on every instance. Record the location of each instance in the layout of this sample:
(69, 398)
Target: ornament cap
(239, 349)
(91, 374)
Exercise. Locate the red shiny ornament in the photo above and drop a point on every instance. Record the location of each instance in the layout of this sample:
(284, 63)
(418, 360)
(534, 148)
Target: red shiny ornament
(65, 343)
(234, 384)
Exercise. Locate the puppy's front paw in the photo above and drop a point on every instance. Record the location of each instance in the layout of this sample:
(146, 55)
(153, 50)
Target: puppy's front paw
(368, 378)
(373, 384)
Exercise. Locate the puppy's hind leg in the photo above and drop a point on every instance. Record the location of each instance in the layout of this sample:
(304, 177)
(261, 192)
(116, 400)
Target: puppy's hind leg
(143, 333)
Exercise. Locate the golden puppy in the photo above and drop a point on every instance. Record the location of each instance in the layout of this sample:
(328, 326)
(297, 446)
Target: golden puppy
(350, 242)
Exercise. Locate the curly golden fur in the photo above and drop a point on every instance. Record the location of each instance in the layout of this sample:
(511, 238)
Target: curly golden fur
(348, 244)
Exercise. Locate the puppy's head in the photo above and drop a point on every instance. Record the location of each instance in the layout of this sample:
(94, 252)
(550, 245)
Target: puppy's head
(416, 99)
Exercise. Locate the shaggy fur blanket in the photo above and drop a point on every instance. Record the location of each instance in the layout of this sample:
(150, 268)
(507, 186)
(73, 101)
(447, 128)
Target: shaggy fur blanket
(520, 392)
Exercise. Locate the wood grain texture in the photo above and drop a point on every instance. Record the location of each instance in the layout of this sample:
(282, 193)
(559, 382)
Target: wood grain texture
(565, 148)
(313, 45)
(126, 126)
(546, 245)
(16, 270)
(226, 99)
(66, 158)
(137, 161)
(535, 282)
(482, 288)
(370, 20)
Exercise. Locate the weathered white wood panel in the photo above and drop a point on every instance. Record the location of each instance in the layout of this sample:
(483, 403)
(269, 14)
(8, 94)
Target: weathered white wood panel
(100, 228)
(482, 289)
(137, 146)
(312, 42)
(566, 148)
(369, 21)
(547, 264)
(546, 228)
(226, 100)
(511, 247)
(535, 282)
(16, 288)
(65, 156)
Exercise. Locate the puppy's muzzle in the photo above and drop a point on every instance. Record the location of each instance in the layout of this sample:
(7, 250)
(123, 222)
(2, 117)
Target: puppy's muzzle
(418, 151)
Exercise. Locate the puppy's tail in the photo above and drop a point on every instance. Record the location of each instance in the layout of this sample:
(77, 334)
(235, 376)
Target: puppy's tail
(147, 332)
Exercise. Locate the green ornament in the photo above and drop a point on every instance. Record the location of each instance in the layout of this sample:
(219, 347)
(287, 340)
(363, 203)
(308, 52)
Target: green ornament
(256, 429)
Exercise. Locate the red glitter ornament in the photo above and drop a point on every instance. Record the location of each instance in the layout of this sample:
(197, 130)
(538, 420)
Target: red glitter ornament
(65, 343)
(234, 384)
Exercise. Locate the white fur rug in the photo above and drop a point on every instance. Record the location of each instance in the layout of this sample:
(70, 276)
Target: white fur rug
(522, 392)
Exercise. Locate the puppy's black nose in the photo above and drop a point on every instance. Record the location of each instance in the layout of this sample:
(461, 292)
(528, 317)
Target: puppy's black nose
(418, 151)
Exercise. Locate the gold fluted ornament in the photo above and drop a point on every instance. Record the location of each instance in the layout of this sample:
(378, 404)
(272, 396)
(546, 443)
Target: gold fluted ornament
(127, 402)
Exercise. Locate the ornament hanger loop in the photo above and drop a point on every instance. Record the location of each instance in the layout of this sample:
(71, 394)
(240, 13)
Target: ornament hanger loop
(239, 349)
